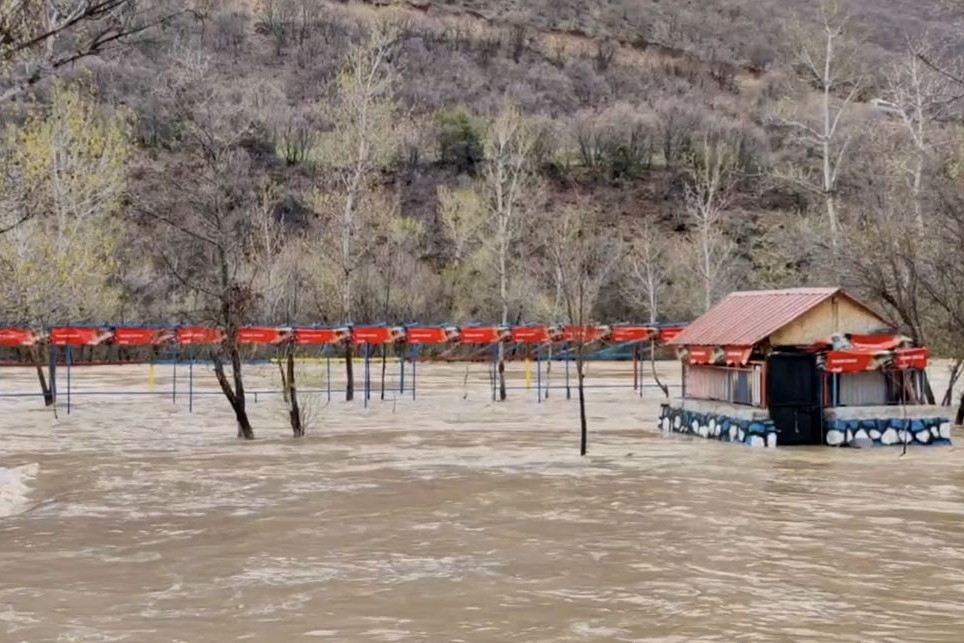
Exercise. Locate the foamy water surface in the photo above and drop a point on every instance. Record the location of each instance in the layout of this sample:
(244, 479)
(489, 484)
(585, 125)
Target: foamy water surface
(451, 519)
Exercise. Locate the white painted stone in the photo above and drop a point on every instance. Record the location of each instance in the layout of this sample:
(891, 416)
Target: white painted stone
(861, 435)
(757, 441)
(850, 436)
(712, 424)
(923, 436)
(677, 421)
(704, 431)
(935, 432)
(771, 439)
(835, 438)
(874, 434)
(905, 436)
(889, 437)
(666, 425)
(695, 426)
(946, 430)
(740, 437)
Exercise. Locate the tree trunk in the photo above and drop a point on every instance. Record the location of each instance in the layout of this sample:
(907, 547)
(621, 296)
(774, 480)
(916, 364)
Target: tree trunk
(44, 386)
(652, 360)
(959, 420)
(502, 395)
(349, 371)
(384, 367)
(294, 410)
(955, 375)
(235, 397)
(584, 429)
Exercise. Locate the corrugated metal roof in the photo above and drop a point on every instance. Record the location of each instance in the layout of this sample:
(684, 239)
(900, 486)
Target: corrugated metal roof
(745, 318)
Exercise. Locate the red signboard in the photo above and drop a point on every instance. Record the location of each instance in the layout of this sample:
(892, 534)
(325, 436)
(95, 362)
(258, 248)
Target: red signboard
(142, 336)
(431, 334)
(915, 358)
(377, 334)
(738, 354)
(321, 336)
(590, 333)
(17, 337)
(629, 333)
(849, 362)
(483, 334)
(701, 354)
(189, 335)
(669, 333)
(79, 336)
(536, 334)
(263, 335)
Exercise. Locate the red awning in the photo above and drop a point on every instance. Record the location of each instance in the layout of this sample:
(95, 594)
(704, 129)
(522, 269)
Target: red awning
(739, 355)
(535, 334)
(133, 336)
(431, 334)
(585, 333)
(377, 334)
(483, 334)
(191, 335)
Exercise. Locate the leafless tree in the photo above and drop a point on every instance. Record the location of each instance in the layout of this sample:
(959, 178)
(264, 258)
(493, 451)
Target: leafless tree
(709, 190)
(366, 127)
(828, 62)
(38, 38)
(507, 178)
(584, 256)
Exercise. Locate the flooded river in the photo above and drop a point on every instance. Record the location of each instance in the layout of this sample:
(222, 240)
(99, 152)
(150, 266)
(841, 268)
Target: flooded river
(451, 519)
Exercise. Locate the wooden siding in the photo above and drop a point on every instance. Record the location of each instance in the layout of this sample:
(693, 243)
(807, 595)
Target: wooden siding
(839, 314)
(742, 385)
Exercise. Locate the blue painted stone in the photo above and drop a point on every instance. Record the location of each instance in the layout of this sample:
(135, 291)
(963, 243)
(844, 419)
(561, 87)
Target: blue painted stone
(868, 424)
(757, 428)
(916, 426)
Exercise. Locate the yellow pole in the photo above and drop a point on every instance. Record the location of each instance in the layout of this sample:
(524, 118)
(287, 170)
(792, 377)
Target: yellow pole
(150, 377)
(528, 373)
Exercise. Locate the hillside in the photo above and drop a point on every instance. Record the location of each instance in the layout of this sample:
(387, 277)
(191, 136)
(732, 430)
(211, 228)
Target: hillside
(622, 99)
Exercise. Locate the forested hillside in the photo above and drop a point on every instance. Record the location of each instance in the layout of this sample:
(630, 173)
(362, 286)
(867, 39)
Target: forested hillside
(309, 161)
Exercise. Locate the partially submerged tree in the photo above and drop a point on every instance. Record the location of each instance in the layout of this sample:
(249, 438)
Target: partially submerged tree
(584, 256)
(507, 180)
(365, 129)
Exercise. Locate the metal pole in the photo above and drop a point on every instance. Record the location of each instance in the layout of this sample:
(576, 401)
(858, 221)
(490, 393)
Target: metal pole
(414, 362)
(52, 358)
(366, 376)
(328, 375)
(401, 374)
(568, 390)
(495, 369)
(70, 358)
(538, 377)
(190, 383)
(174, 381)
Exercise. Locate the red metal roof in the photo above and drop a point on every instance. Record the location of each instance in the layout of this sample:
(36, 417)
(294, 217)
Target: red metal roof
(746, 318)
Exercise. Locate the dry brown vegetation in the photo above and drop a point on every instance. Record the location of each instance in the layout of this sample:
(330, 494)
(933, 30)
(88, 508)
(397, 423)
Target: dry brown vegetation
(311, 161)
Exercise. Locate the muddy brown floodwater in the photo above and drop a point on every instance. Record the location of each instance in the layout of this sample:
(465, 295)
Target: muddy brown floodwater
(451, 519)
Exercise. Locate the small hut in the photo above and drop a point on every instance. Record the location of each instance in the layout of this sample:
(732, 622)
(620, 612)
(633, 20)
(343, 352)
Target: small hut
(804, 366)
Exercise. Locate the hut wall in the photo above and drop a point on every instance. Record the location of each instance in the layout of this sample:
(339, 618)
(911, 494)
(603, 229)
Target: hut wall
(863, 389)
(838, 314)
(737, 385)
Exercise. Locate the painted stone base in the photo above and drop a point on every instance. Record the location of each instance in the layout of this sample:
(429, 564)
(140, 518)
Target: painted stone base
(751, 432)
(888, 432)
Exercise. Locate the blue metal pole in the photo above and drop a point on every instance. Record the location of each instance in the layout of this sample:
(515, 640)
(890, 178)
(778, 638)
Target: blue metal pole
(52, 358)
(495, 370)
(568, 390)
(366, 376)
(538, 377)
(414, 362)
(190, 383)
(401, 374)
(70, 358)
(174, 381)
(328, 376)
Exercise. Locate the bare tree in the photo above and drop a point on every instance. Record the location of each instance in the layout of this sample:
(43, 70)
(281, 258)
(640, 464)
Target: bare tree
(921, 97)
(647, 257)
(584, 255)
(506, 181)
(710, 188)
(365, 130)
(827, 60)
(38, 38)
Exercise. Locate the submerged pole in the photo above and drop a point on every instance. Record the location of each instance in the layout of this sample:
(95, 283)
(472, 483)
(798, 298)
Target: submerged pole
(414, 351)
(538, 378)
(568, 390)
(367, 378)
(328, 373)
(70, 358)
(401, 372)
(190, 383)
(174, 380)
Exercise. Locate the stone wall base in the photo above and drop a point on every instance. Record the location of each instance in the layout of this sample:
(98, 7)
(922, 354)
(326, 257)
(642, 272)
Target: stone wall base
(889, 432)
(754, 433)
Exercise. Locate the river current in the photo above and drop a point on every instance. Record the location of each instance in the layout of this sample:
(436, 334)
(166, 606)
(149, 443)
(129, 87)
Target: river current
(452, 518)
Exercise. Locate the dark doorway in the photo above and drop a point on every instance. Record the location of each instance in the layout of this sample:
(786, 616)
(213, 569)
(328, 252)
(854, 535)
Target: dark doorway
(794, 397)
